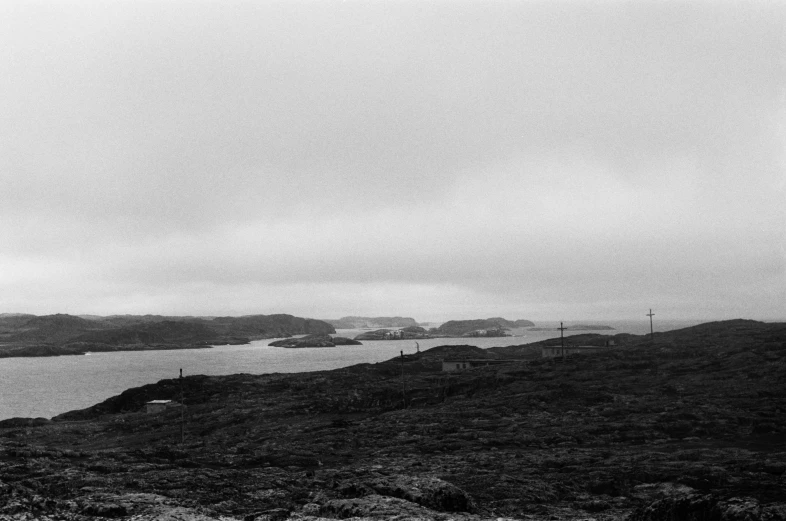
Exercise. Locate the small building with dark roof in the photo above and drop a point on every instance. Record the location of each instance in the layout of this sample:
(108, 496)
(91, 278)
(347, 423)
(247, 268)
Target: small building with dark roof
(552, 351)
(458, 364)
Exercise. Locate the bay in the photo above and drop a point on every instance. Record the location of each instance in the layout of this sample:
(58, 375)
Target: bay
(48, 386)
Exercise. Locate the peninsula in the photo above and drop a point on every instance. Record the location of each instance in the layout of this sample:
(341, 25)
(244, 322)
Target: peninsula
(53, 335)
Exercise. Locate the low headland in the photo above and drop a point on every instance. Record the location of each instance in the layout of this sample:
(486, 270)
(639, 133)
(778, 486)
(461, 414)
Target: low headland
(55, 335)
(315, 341)
(687, 425)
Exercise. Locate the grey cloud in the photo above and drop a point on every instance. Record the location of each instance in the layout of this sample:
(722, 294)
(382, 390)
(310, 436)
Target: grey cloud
(431, 144)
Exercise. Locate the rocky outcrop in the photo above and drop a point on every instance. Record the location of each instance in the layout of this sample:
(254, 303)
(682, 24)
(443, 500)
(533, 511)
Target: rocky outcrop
(371, 322)
(407, 333)
(344, 341)
(374, 506)
(315, 341)
(709, 507)
(429, 492)
(463, 327)
(482, 333)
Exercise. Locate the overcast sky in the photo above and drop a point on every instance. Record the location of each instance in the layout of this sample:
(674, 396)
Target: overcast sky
(433, 159)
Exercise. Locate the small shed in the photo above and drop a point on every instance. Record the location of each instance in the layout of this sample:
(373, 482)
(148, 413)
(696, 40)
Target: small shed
(155, 406)
(555, 351)
(468, 363)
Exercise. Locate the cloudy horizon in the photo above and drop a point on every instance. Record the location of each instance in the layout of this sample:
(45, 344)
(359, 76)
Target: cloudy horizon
(439, 160)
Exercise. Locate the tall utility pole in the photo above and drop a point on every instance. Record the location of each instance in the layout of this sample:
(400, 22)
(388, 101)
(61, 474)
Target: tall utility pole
(652, 334)
(403, 387)
(562, 340)
(182, 412)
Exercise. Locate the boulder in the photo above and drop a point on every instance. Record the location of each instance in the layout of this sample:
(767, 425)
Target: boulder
(429, 492)
(375, 506)
(709, 507)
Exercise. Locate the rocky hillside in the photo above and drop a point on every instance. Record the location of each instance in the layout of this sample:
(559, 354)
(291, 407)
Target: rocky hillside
(11, 321)
(690, 426)
(269, 326)
(52, 329)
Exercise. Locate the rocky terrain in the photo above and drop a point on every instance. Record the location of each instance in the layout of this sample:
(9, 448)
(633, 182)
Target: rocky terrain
(689, 426)
(316, 341)
(371, 322)
(52, 335)
(463, 327)
(406, 333)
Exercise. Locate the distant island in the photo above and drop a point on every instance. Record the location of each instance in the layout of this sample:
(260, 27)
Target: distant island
(371, 322)
(407, 333)
(23, 335)
(580, 327)
(315, 341)
(478, 328)
(495, 326)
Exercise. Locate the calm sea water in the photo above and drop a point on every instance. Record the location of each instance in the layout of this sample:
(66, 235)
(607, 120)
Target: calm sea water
(45, 387)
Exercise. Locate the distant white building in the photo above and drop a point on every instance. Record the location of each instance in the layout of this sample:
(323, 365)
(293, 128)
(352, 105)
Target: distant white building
(155, 406)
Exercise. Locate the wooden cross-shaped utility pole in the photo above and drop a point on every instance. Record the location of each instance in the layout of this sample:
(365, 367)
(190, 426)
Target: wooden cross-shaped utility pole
(562, 339)
(182, 411)
(652, 334)
(403, 385)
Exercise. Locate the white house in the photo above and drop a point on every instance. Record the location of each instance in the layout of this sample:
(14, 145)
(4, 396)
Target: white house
(159, 405)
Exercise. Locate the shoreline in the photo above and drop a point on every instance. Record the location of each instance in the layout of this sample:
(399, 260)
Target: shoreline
(48, 350)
